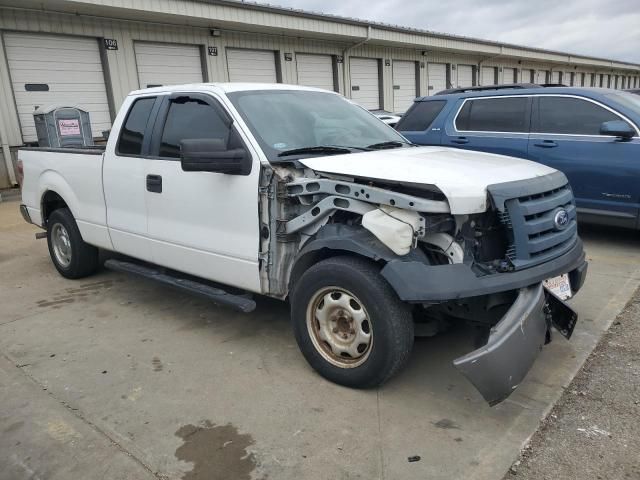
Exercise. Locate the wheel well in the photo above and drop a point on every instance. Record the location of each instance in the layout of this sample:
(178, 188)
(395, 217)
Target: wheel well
(315, 256)
(51, 201)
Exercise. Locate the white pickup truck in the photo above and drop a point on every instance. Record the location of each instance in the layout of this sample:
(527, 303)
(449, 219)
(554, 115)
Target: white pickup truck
(296, 193)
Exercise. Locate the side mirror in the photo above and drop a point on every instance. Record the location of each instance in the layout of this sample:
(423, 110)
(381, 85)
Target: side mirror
(212, 155)
(617, 128)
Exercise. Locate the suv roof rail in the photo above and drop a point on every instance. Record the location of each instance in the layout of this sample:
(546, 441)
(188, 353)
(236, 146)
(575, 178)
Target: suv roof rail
(495, 87)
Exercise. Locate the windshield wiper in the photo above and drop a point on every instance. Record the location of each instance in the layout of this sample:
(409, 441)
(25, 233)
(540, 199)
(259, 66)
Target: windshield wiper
(317, 149)
(389, 144)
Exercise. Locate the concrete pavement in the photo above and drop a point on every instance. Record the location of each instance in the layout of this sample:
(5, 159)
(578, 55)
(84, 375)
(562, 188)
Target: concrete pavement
(174, 387)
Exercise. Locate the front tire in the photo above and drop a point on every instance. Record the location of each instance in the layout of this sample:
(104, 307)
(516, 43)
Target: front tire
(349, 323)
(72, 257)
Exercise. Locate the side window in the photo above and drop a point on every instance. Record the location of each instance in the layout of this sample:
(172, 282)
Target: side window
(132, 132)
(420, 116)
(191, 118)
(571, 116)
(508, 114)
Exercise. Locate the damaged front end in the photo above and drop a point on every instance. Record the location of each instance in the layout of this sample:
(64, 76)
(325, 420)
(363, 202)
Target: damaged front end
(484, 268)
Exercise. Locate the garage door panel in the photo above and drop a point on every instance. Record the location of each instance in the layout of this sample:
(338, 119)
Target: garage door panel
(251, 65)
(465, 76)
(365, 82)
(404, 85)
(315, 71)
(71, 68)
(167, 64)
(488, 75)
(508, 75)
(437, 74)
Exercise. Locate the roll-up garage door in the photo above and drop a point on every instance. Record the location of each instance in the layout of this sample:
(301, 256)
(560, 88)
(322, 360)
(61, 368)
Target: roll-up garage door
(588, 80)
(315, 71)
(404, 85)
(56, 70)
(508, 75)
(488, 76)
(251, 65)
(465, 76)
(167, 64)
(541, 77)
(437, 74)
(365, 82)
(555, 77)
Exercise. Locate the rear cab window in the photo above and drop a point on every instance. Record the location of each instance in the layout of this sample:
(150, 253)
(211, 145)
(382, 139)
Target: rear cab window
(132, 134)
(420, 116)
(496, 114)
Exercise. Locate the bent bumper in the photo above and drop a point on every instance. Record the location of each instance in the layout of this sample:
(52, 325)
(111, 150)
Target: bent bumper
(417, 282)
(25, 213)
(497, 368)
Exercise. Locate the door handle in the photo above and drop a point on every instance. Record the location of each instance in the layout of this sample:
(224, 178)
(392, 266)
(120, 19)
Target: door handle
(546, 144)
(154, 183)
(460, 140)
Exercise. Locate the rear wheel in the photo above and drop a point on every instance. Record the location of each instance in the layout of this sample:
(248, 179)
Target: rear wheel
(349, 323)
(71, 256)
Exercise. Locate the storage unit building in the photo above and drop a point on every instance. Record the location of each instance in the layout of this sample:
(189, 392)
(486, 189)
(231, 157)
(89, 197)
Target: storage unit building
(92, 53)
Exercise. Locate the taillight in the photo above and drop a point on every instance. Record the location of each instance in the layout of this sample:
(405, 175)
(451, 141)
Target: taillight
(20, 169)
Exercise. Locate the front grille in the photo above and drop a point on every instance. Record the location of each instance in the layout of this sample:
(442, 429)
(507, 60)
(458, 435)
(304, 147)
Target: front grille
(529, 218)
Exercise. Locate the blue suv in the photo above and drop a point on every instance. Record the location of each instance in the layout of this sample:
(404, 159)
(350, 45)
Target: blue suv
(590, 134)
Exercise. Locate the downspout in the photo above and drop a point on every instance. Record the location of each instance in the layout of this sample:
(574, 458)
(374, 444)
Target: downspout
(344, 57)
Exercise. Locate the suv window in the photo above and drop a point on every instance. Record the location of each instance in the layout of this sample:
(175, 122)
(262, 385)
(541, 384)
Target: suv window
(132, 133)
(191, 118)
(507, 114)
(420, 116)
(571, 116)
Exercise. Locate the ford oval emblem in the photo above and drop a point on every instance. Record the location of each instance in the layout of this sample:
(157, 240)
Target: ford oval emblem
(561, 219)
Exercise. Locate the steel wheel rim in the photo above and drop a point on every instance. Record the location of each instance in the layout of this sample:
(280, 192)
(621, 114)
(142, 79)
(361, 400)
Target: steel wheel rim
(61, 244)
(339, 327)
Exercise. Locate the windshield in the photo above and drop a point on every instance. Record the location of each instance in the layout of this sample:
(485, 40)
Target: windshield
(629, 100)
(287, 120)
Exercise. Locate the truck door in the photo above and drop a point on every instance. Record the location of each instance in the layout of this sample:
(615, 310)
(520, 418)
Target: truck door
(123, 176)
(602, 170)
(202, 223)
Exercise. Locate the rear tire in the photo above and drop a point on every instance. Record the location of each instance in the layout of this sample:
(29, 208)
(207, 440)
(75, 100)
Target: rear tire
(72, 257)
(349, 323)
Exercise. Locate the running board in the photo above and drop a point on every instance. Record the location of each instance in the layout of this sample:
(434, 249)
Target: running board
(216, 295)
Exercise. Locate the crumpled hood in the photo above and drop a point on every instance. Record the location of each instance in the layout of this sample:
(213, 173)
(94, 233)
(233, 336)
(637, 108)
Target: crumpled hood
(462, 175)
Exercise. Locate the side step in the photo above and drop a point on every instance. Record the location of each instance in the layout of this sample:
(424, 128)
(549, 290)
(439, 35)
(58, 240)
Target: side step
(217, 295)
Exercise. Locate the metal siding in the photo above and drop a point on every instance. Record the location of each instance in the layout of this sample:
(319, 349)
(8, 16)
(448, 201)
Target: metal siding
(315, 70)
(70, 66)
(404, 85)
(365, 82)
(251, 65)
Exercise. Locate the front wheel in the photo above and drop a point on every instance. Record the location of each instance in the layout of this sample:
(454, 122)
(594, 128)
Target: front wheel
(349, 323)
(71, 256)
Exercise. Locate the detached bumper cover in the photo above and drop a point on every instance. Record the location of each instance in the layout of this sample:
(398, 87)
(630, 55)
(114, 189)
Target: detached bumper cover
(416, 281)
(497, 368)
(25, 214)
